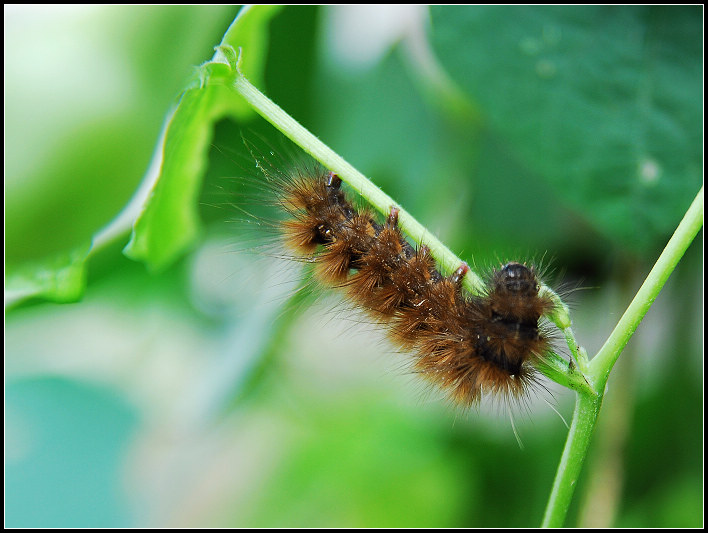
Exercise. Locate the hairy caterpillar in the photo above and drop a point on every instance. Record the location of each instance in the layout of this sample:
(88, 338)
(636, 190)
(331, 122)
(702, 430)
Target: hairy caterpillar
(468, 345)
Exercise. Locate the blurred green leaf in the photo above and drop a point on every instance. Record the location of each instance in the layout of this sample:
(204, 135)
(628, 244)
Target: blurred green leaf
(605, 103)
(86, 98)
(170, 222)
(60, 278)
(357, 468)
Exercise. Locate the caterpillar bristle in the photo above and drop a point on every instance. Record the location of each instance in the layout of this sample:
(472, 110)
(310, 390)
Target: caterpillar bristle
(469, 345)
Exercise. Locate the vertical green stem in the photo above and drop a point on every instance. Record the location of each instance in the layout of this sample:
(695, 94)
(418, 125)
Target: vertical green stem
(587, 408)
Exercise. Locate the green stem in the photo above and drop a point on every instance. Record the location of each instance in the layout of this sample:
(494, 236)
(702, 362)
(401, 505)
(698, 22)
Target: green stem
(587, 406)
(582, 428)
(292, 129)
(686, 231)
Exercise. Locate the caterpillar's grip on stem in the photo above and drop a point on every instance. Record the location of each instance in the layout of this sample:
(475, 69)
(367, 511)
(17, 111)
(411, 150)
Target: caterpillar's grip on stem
(554, 366)
(469, 345)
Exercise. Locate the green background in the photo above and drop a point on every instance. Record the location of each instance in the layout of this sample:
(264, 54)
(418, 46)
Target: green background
(190, 388)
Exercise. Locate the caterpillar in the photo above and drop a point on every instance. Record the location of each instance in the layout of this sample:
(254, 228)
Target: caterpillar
(469, 345)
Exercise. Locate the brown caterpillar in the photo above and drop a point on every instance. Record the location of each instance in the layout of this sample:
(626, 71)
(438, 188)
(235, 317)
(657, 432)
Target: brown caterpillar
(468, 345)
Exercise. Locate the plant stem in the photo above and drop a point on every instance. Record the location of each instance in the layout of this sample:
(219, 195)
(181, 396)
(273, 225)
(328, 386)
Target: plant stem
(582, 428)
(587, 407)
(292, 129)
(373, 195)
(602, 363)
(558, 370)
(589, 392)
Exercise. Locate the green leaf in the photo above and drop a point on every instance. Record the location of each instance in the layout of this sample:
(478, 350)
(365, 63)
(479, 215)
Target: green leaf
(87, 94)
(605, 103)
(60, 278)
(170, 222)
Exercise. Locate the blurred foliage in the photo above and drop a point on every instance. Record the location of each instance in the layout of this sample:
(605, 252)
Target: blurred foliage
(583, 141)
(46, 457)
(89, 97)
(615, 126)
(92, 155)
